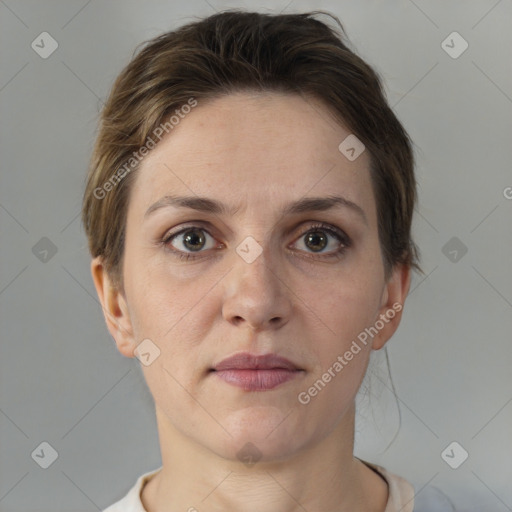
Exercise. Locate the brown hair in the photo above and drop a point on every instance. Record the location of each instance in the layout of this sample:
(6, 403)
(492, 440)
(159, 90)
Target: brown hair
(235, 51)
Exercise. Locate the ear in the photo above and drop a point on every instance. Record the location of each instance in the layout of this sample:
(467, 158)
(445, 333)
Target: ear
(115, 308)
(393, 299)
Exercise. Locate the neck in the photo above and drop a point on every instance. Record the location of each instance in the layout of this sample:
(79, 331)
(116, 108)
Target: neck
(324, 477)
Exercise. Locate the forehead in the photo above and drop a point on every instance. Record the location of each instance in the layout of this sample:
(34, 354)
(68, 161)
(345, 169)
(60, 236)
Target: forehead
(254, 151)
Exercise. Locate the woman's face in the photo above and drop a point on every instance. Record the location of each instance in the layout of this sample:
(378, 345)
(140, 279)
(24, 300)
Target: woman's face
(302, 284)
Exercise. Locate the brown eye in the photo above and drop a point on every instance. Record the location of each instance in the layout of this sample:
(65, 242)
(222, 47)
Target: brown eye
(321, 237)
(316, 240)
(323, 240)
(192, 239)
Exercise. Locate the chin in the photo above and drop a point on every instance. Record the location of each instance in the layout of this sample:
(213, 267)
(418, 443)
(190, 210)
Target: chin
(249, 451)
(263, 433)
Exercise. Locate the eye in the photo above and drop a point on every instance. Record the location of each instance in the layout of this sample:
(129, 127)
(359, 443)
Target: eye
(191, 241)
(318, 239)
(192, 238)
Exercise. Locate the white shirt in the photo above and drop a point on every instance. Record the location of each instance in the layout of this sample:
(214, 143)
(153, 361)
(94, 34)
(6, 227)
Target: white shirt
(400, 497)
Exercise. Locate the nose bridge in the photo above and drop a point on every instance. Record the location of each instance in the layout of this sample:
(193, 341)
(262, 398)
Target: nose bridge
(254, 292)
(256, 264)
(254, 267)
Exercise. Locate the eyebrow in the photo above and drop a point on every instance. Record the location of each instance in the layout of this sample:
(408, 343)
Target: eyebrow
(207, 205)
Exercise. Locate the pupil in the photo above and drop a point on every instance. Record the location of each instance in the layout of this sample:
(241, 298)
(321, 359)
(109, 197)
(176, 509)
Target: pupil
(314, 238)
(191, 238)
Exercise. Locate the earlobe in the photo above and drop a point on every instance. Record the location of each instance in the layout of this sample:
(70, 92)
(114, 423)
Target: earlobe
(115, 308)
(393, 299)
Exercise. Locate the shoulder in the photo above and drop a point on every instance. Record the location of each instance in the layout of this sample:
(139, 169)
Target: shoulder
(400, 491)
(131, 502)
(405, 497)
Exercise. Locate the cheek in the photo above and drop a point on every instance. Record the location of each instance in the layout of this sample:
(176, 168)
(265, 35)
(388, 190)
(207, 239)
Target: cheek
(164, 299)
(341, 358)
(168, 313)
(344, 308)
(176, 314)
(339, 345)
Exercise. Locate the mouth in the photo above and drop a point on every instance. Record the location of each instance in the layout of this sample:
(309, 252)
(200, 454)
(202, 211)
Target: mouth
(256, 373)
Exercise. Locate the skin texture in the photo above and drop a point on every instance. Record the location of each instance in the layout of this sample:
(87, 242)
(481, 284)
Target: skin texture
(255, 151)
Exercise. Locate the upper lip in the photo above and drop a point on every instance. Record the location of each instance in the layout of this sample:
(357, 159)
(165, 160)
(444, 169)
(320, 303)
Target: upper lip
(246, 361)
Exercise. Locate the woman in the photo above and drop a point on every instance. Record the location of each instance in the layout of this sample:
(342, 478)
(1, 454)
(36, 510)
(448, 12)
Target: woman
(248, 210)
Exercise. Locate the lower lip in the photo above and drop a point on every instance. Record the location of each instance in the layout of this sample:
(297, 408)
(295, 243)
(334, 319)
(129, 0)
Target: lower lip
(257, 380)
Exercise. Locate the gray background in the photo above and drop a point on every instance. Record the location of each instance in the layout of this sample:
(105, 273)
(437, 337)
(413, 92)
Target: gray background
(62, 379)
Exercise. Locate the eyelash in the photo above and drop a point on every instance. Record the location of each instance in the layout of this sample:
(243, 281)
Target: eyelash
(336, 233)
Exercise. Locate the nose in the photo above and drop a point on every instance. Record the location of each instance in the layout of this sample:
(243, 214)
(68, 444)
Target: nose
(256, 295)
